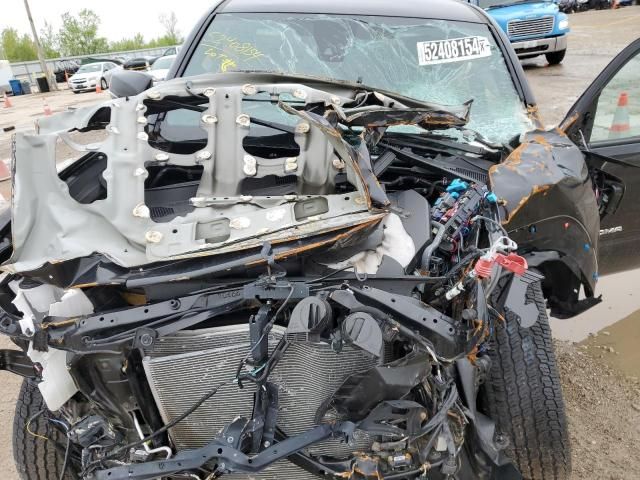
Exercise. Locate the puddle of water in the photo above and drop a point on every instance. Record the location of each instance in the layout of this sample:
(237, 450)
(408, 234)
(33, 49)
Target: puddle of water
(619, 345)
(620, 299)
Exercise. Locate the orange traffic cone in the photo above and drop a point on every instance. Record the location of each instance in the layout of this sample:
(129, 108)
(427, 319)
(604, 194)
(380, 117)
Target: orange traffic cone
(7, 103)
(620, 126)
(5, 174)
(47, 108)
(98, 87)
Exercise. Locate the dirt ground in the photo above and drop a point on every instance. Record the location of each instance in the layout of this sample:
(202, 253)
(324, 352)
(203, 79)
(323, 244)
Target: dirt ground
(603, 406)
(600, 376)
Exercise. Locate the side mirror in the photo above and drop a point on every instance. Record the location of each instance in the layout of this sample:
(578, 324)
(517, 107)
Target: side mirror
(129, 83)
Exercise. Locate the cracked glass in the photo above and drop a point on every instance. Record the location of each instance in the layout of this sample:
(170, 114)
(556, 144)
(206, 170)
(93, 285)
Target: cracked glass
(378, 52)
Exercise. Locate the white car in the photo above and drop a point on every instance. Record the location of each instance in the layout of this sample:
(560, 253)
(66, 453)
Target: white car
(90, 75)
(161, 67)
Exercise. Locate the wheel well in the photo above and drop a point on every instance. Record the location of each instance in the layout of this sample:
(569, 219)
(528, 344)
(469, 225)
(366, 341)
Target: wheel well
(561, 289)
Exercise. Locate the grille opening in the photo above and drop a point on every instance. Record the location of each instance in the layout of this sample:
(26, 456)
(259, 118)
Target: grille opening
(525, 28)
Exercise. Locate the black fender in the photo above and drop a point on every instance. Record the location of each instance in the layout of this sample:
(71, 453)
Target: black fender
(549, 208)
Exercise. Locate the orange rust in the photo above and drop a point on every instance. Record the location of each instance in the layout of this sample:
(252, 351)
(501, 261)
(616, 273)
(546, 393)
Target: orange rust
(543, 141)
(514, 159)
(535, 189)
(564, 126)
(85, 285)
(63, 323)
(534, 115)
(313, 246)
(134, 298)
(560, 132)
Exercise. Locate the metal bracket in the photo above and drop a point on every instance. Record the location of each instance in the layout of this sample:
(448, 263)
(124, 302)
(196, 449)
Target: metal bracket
(234, 461)
(17, 362)
(259, 341)
(421, 315)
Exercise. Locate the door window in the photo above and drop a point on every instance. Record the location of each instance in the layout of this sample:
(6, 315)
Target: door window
(618, 110)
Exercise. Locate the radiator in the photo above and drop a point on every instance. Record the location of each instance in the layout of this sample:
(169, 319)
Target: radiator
(183, 367)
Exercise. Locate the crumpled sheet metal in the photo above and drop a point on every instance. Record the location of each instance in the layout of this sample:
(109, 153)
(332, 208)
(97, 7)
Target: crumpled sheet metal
(543, 161)
(49, 226)
(542, 180)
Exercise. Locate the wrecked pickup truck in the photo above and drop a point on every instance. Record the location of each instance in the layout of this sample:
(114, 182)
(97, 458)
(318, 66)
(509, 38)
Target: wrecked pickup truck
(324, 249)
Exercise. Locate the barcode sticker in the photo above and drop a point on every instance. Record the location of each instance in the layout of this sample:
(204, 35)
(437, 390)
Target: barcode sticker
(453, 50)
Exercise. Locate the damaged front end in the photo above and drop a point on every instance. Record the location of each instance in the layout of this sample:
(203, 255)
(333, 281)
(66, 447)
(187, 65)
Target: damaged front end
(306, 288)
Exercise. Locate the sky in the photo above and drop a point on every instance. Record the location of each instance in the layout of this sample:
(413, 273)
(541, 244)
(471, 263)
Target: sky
(120, 18)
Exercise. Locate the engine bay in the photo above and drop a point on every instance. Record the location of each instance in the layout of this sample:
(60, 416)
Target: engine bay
(304, 293)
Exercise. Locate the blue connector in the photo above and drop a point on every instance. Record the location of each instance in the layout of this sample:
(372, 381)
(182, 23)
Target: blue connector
(457, 185)
(491, 197)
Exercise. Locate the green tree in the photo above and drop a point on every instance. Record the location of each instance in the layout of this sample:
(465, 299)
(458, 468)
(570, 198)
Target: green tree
(170, 23)
(17, 47)
(49, 41)
(135, 43)
(79, 34)
(164, 41)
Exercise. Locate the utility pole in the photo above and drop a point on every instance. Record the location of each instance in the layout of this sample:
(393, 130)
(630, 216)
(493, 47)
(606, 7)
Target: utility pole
(43, 65)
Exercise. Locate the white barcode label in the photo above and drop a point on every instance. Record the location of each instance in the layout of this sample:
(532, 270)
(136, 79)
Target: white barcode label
(453, 50)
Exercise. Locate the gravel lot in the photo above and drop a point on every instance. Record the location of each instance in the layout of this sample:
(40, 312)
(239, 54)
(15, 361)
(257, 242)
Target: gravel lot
(601, 391)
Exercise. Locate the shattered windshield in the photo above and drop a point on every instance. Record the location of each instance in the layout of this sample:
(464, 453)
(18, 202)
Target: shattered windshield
(437, 61)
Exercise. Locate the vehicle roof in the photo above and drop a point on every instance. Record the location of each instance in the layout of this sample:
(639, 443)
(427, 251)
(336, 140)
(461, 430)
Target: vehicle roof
(438, 9)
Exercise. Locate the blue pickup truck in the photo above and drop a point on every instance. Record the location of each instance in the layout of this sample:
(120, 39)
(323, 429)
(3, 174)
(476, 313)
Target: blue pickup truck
(534, 27)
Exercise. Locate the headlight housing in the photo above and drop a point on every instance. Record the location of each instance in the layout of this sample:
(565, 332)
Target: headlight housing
(563, 24)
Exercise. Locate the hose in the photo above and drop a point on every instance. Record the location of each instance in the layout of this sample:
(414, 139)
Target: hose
(426, 255)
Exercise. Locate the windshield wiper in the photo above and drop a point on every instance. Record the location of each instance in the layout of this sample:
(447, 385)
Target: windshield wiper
(447, 141)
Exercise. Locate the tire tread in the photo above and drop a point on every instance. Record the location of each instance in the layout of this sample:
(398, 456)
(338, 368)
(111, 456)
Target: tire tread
(524, 395)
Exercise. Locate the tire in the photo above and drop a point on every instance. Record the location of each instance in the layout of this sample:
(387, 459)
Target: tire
(75, 91)
(103, 84)
(524, 397)
(555, 58)
(36, 458)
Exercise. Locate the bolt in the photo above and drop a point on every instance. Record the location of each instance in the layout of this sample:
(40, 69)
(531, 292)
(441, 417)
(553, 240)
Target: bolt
(153, 236)
(203, 155)
(267, 444)
(243, 120)
(249, 89)
(300, 93)
(303, 127)
(338, 163)
(209, 119)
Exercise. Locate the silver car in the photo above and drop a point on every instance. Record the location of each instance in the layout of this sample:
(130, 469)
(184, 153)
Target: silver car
(92, 74)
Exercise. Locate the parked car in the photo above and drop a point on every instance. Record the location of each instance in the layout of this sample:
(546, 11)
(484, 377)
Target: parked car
(161, 67)
(568, 6)
(88, 76)
(139, 63)
(64, 69)
(172, 51)
(534, 28)
(325, 248)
